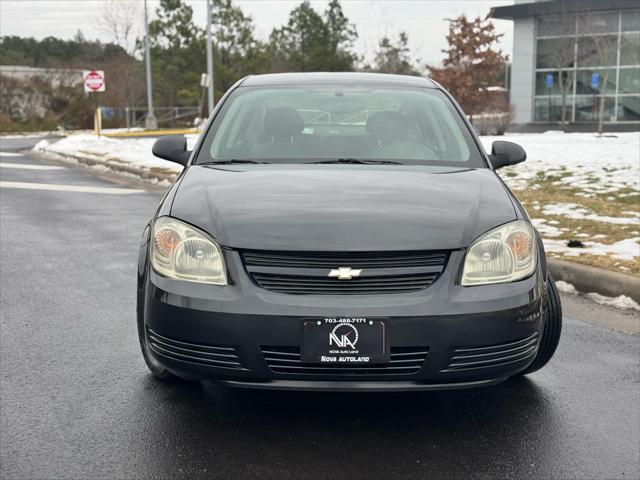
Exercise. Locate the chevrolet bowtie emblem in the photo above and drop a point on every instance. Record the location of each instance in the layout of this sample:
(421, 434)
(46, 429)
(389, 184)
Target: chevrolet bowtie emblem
(344, 273)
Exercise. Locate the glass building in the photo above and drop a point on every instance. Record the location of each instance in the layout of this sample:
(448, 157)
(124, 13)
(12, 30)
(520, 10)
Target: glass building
(572, 58)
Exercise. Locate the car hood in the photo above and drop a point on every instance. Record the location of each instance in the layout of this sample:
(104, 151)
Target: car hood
(342, 207)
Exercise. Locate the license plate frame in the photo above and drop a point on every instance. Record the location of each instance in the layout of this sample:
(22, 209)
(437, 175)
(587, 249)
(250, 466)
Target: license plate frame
(345, 341)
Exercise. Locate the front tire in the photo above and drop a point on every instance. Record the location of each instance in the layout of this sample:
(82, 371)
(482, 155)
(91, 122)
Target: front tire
(551, 330)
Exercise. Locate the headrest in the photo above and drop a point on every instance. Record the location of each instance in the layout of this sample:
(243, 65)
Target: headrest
(282, 122)
(388, 125)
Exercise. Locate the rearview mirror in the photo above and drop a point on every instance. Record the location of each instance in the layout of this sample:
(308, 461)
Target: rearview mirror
(172, 148)
(506, 153)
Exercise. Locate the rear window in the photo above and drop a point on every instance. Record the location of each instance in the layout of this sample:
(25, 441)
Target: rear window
(310, 123)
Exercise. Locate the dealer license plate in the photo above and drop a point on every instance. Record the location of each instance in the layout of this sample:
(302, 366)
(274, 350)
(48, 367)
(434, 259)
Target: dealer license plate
(345, 341)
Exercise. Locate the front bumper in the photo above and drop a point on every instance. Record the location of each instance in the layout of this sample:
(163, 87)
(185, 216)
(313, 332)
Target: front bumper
(470, 336)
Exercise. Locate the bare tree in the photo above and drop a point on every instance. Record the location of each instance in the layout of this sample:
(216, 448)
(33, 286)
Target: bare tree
(121, 20)
(603, 48)
(561, 58)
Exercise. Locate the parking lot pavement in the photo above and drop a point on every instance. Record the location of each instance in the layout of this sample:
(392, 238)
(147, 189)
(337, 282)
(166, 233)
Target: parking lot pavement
(76, 400)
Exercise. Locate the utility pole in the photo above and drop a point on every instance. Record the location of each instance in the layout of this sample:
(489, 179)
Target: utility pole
(151, 122)
(209, 57)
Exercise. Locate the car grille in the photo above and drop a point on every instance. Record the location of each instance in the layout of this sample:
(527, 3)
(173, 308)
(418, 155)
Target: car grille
(473, 358)
(308, 273)
(403, 361)
(198, 354)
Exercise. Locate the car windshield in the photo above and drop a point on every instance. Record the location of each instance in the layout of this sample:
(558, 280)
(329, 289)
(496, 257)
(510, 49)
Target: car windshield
(342, 124)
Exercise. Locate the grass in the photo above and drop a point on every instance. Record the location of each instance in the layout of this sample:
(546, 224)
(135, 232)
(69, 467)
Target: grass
(547, 189)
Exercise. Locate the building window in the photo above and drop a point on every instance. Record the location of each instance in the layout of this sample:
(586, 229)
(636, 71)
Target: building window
(592, 81)
(591, 23)
(556, 25)
(561, 82)
(555, 53)
(629, 108)
(630, 49)
(598, 50)
(631, 21)
(587, 108)
(549, 109)
(581, 60)
(629, 80)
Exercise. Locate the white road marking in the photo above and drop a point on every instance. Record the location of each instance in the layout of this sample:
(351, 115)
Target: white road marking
(68, 188)
(29, 166)
(10, 154)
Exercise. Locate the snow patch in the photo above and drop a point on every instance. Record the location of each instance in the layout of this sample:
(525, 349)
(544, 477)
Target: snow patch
(572, 210)
(622, 302)
(546, 228)
(112, 153)
(585, 161)
(627, 249)
(566, 287)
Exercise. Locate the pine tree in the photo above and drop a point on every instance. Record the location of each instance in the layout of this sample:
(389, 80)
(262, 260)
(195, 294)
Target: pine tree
(237, 52)
(177, 53)
(313, 42)
(393, 57)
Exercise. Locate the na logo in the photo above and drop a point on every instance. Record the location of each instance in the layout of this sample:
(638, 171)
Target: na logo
(343, 336)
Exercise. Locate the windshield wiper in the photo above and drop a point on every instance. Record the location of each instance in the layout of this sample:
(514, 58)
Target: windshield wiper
(229, 162)
(359, 161)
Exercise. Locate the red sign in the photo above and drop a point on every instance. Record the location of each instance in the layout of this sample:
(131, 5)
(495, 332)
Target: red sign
(93, 81)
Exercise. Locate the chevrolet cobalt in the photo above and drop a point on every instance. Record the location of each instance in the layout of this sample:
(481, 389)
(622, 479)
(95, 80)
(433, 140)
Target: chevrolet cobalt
(342, 232)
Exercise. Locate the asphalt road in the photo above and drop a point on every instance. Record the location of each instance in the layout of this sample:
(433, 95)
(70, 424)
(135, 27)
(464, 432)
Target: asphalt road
(77, 401)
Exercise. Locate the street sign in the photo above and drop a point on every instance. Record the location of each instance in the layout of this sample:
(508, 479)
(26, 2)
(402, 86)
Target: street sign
(93, 81)
(595, 81)
(549, 80)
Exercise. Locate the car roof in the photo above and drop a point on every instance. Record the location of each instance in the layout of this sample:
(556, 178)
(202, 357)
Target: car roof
(339, 78)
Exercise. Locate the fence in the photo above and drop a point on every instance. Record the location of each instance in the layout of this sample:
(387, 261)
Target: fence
(168, 117)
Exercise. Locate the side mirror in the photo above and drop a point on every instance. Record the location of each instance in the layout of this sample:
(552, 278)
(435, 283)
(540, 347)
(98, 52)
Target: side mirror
(506, 153)
(172, 148)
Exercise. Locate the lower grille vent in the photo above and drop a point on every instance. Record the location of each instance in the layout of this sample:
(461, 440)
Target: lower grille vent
(474, 358)
(203, 355)
(404, 361)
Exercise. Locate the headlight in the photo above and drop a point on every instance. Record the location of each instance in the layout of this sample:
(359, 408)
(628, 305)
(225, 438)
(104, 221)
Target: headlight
(183, 252)
(504, 254)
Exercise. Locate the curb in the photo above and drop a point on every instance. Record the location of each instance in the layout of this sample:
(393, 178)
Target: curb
(590, 279)
(158, 176)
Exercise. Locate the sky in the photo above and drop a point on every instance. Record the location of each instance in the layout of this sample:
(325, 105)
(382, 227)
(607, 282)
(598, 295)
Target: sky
(423, 20)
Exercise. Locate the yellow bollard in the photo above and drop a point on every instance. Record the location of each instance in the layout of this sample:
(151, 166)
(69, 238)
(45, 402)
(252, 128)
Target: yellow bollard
(97, 121)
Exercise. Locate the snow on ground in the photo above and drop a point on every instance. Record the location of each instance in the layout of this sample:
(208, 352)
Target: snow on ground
(572, 210)
(592, 163)
(113, 152)
(546, 227)
(566, 287)
(627, 249)
(622, 301)
(24, 135)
